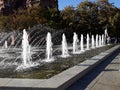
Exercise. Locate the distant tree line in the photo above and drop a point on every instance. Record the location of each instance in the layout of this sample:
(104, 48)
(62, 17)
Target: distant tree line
(87, 17)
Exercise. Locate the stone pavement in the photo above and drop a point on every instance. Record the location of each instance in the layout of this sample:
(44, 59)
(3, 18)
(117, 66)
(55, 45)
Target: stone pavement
(105, 76)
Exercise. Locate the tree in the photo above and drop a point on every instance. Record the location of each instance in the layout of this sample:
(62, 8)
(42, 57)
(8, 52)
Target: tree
(38, 14)
(68, 14)
(87, 12)
(54, 18)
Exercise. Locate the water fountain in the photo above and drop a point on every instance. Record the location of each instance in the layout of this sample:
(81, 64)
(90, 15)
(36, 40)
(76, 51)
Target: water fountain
(106, 33)
(6, 44)
(26, 53)
(81, 44)
(88, 42)
(64, 47)
(106, 36)
(103, 42)
(96, 40)
(93, 42)
(33, 53)
(99, 40)
(26, 49)
(49, 49)
(75, 44)
(108, 40)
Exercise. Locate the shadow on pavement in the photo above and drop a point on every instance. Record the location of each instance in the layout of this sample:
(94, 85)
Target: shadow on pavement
(82, 83)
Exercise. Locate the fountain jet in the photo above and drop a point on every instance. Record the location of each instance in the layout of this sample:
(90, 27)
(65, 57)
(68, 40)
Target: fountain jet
(81, 44)
(26, 49)
(49, 49)
(6, 44)
(75, 43)
(100, 41)
(64, 47)
(103, 42)
(88, 42)
(97, 41)
(26, 53)
(93, 42)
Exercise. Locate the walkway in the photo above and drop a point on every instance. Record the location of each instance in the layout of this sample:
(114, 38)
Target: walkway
(105, 76)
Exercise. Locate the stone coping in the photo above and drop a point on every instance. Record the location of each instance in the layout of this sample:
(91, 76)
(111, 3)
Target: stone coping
(60, 81)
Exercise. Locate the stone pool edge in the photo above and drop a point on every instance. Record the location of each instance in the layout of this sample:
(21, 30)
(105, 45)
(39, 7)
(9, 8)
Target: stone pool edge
(60, 81)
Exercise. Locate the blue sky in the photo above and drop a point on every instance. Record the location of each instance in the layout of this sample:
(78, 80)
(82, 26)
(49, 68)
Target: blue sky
(63, 3)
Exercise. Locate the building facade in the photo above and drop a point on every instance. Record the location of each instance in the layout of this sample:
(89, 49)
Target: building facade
(9, 6)
(1, 4)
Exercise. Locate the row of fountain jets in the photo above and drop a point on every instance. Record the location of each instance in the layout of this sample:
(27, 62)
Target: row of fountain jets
(78, 46)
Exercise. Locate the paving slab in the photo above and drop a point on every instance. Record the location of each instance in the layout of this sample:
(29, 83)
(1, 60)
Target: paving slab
(24, 82)
(4, 81)
(106, 76)
(110, 77)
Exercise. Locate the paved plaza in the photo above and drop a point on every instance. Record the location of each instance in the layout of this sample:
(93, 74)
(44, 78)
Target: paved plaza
(105, 76)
